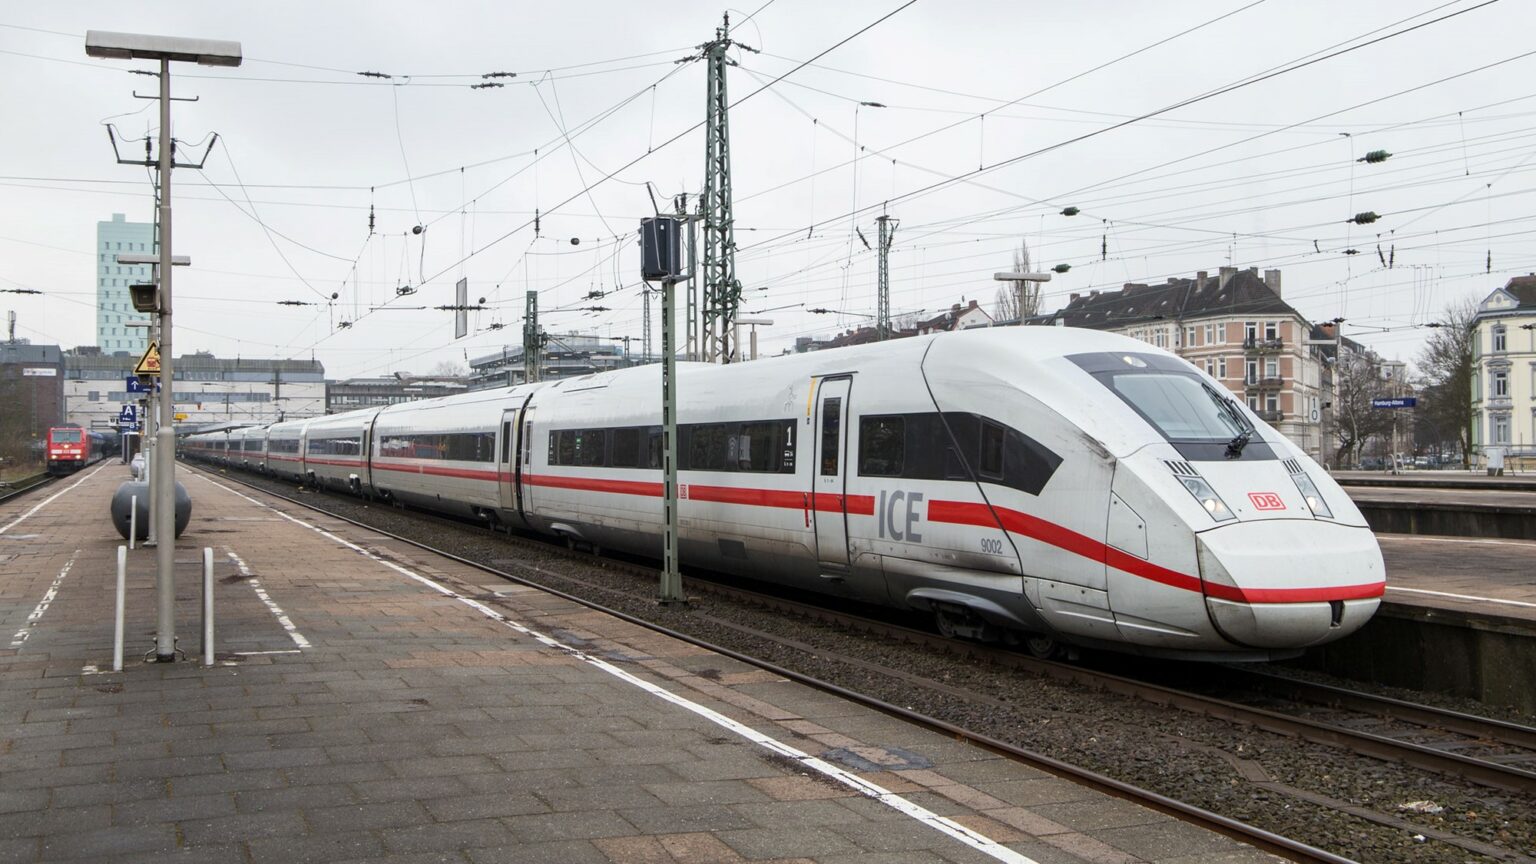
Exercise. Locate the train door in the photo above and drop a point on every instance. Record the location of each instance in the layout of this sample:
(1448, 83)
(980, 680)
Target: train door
(366, 453)
(829, 474)
(523, 474)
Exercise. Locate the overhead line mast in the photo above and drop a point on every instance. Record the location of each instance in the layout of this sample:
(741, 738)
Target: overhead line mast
(722, 290)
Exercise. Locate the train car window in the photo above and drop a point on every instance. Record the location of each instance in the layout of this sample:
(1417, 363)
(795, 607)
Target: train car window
(468, 446)
(928, 446)
(831, 429)
(704, 445)
(882, 446)
(653, 447)
(1027, 464)
(769, 447)
(565, 451)
(626, 448)
(965, 445)
(589, 447)
(506, 443)
(990, 465)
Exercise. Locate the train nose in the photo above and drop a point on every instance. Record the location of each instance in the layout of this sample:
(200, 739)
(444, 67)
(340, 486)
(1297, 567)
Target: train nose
(1290, 584)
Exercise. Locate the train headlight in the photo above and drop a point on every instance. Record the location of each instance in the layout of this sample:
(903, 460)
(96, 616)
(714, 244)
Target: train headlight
(1207, 498)
(1314, 499)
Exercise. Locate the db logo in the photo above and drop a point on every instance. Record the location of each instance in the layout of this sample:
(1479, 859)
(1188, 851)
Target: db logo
(1266, 501)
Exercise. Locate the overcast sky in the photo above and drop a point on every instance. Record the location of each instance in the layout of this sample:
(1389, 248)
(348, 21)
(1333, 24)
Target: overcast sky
(1265, 176)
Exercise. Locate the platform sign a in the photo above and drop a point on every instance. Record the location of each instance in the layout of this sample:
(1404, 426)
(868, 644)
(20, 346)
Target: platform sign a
(128, 418)
(149, 364)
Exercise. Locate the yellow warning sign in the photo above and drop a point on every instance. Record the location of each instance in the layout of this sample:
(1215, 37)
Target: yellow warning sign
(149, 364)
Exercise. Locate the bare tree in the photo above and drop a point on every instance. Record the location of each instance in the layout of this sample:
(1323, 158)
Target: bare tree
(1446, 362)
(449, 369)
(1357, 377)
(1018, 300)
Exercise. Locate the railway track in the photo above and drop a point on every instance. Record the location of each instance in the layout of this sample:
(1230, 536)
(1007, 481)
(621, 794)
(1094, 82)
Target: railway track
(11, 489)
(1507, 775)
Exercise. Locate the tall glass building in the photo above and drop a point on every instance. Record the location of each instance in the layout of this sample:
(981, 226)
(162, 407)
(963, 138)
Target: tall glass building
(114, 308)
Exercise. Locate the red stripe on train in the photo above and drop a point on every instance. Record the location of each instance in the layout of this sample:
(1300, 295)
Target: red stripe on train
(1015, 522)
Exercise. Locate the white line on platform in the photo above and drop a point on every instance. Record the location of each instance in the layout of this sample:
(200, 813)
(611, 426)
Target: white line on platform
(37, 614)
(293, 632)
(49, 500)
(945, 825)
(260, 653)
(1472, 597)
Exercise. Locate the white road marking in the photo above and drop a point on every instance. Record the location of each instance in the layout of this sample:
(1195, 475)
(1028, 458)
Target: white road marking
(1472, 597)
(945, 825)
(37, 614)
(260, 653)
(49, 500)
(293, 632)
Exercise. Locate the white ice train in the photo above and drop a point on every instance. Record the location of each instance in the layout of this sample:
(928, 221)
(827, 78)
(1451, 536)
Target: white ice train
(1052, 484)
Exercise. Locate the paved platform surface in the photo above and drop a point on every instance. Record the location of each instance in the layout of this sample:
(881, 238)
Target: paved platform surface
(1466, 574)
(1451, 479)
(1458, 498)
(376, 703)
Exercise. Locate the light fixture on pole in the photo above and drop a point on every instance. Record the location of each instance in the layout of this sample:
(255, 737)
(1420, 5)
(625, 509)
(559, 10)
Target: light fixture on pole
(736, 337)
(165, 49)
(1019, 280)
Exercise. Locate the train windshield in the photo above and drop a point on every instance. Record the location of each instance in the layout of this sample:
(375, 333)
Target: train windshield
(1182, 407)
(66, 436)
(1202, 421)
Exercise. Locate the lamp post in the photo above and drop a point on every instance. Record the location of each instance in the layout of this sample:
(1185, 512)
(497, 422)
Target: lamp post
(207, 52)
(1019, 280)
(736, 337)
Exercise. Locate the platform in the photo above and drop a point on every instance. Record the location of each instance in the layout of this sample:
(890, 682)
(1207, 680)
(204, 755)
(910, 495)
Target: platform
(1467, 507)
(376, 702)
(1459, 617)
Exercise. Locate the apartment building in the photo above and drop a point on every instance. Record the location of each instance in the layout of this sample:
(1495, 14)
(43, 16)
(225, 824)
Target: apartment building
(1504, 373)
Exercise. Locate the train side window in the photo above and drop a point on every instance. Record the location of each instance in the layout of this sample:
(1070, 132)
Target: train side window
(565, 447)
(961, 452)
(506, 442)
(589, 447)
(882, 446)
(831, 429)
(990, 465)
(626, 448)
(705, 446)
(653, 448)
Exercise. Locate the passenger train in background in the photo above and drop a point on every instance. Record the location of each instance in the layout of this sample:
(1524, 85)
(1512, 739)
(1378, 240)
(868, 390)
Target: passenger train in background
(71, 448)
(1054, 485)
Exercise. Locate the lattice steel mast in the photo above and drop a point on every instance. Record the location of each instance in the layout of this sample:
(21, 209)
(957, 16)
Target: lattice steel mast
(722, 290)
(883, 299)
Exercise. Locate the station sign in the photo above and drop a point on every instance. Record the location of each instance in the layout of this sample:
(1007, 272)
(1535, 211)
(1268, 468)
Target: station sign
(128, 417)
(137, 385)
(1396, 402)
